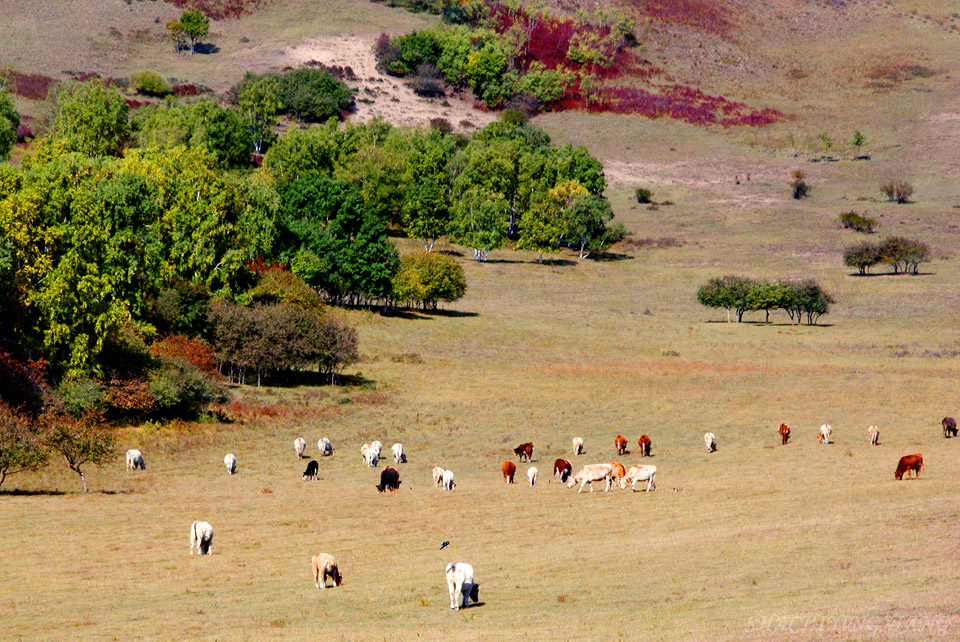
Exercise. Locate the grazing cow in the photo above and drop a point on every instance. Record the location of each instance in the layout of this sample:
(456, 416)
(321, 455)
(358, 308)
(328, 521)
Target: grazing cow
(370, 455)
(398, 456)
(620, 443)
(326, 448)
(201, 537)
(299, 445)
(645, 444)
(710, 441)
(311, 472)
(826, 431)
(231, 463)
(135, 460)
(524, 450)
(438, 475)
(592, 473)
(619, 472)
(563, 468)
(909, 463)
(949, 427)
(641, 473)
(448, 483)
(389, 478)
(325, 566)
(461, 584)
(509, 470)
(577, 445)
(784, 434)
(532, 475)
(874, 434)
(377, 446)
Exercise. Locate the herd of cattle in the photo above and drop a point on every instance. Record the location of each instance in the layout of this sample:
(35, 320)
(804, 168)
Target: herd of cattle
(460, 577)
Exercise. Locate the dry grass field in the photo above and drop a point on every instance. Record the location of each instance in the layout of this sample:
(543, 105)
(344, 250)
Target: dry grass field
(762, 541)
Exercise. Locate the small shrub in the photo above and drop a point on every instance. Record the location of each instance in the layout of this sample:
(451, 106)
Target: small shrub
(860, 223)
(428, 81)
(442, 125)
(149, 83)
(799, 185)
(643, 195)
(897, 191)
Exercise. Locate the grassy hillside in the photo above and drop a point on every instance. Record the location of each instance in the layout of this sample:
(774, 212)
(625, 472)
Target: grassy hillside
(762, 542)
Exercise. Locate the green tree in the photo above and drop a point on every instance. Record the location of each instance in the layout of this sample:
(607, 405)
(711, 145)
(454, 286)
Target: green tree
(222, 131)
(767, 296)
(428, 278)
(728, 292)
(858, 140)
(81, 440)
(543, 226)
(862, 256)
(21, 444)
(425, 208)
(195, 25)
(259, 104)
(9, 123)
(302, 154)
(480, 221)
(149, 82)
(585, 223)
(91, 118)
(177, 34)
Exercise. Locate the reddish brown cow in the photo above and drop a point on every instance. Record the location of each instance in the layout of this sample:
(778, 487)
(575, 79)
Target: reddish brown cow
(619, 473)
(563, 468)
(509, 470)
(949, 427)
(524, 450)
(784, 433)
(909, 463)
(645, 444)
(621, 443)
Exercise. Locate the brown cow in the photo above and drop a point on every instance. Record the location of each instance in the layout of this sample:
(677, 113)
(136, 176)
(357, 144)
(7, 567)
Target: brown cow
(524, 450)
(619, 473)
(909, 463)
(621, 444)
(509, 470)
(784, 433)
(563, 468)
(645, 444)
(949, 427)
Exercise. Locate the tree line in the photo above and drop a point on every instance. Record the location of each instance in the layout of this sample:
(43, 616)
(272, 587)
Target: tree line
(902, 254)
(739, 294)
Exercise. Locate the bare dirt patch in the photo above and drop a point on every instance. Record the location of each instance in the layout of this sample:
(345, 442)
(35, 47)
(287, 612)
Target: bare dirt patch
(381, 95)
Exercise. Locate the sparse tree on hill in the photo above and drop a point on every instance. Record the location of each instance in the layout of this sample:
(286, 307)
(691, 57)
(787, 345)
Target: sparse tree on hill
(81, 440)
(195, 25)
(799, 185)
(858, 141)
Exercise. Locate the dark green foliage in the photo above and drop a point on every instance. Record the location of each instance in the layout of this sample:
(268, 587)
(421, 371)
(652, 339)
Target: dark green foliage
(862, 256)
(858, 222)
(308, 94)
(797, 298)
(9, 123)
(183, 390)
(150, 83)
(643, 195)
(79, 394)
(222, 131)
(182, 308)
(585, 222)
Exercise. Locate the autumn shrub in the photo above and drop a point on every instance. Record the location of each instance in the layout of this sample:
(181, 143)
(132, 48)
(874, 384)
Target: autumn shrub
(643, 195)
(428, 81)
(862, 256)
(23, 382)
(195, 352)
(183, 390)
(799, 185)
(897, 191)
(858, 222)
(426, 278)
(150, 83)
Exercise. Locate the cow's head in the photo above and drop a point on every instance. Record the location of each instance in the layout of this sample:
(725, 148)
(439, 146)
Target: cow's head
(380, 487)
(337, 578)
(573, 482)
(475, 592)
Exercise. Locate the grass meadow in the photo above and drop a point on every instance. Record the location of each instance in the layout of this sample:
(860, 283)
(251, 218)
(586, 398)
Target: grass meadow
(762, 541)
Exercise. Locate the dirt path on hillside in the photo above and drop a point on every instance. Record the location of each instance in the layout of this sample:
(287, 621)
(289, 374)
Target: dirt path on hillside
(379, 94)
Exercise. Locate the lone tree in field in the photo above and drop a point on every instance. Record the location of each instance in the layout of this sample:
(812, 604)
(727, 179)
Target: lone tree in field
(196, 26)
(81, 440)
(21, 446)
(799, 185)
(858, 141)
(897, 191)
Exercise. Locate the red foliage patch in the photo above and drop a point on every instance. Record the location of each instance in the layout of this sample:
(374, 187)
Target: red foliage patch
(193, 351)
(185, 90)
(31, 86)
(133, 103)
(220, 9)
(22, 382)
(258, 265)
(130, 395)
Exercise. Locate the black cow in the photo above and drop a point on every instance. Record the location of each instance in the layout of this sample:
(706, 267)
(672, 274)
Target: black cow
(311, 471)
(389, 478)
(949, 427)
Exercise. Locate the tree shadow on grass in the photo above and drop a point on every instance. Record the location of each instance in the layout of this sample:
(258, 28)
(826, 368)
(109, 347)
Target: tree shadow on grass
(873, 274)
(609, 256)
(556, 262)
(20, 492)
(206, 48)
(124, 491)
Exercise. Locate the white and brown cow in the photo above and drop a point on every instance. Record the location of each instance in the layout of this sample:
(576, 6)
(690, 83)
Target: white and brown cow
(324, 566)
(201, 538)
(592, 473)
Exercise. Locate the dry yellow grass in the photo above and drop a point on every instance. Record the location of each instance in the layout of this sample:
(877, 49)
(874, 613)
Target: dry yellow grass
(763, 542)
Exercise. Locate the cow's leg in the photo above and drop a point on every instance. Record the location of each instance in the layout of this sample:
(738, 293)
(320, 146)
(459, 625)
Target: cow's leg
(607, 487)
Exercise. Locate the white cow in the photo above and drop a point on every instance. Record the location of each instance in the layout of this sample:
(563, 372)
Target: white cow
(201, 537)
(577, 445)
(299, 445)
(460, 582)
(231, 463)
(326, 448)
(532, 475)
(874, 434)
(370, 456)
(376, 445)
(710, 441)
(438, 475)
(640, 473)
(592, 473)
(398, 456)
(135, 460)
(826, 431)
(448, 483)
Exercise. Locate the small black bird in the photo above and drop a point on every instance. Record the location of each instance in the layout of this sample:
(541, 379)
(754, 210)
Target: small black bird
(443, 545)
